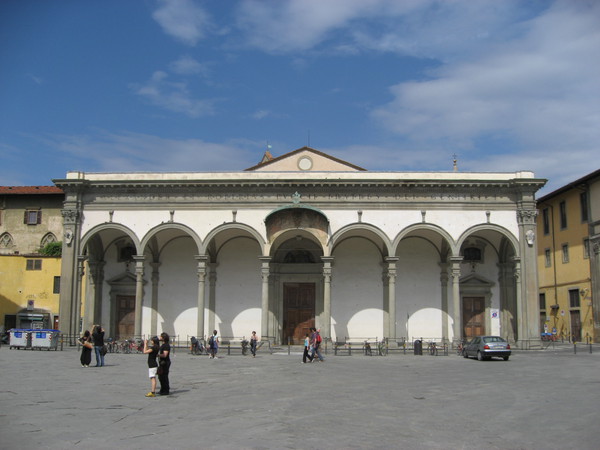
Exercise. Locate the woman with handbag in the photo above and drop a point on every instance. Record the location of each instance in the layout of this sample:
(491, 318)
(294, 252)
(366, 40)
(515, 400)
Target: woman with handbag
(164, 363)
(86, 349)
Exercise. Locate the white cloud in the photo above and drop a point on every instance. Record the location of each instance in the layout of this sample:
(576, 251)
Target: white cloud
(540, 91)
(186, 65)
(422, 28)
(183, 19)
(112, 152)
(261, 114)
(173, 96)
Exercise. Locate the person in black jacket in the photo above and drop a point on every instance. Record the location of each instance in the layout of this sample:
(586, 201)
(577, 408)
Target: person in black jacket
(98, 338)
(164, 363)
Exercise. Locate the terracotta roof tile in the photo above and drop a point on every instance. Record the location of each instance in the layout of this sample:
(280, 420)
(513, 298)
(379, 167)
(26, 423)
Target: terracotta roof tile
(30, 190)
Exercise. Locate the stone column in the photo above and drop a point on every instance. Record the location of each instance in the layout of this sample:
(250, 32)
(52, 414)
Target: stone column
(202, 259)
(326, 325)
(154, 306)
(264, 319)
(68, 276)
(139, 293)
(457, 313)
(93, 294)
(526, 217)
(80, 273)
(444, 286)
(507, 300)
(212, 296)
(391, 294)
(521, 313)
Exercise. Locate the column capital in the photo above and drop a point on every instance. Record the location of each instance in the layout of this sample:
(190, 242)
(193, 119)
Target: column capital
(201, 258)
(456, 259)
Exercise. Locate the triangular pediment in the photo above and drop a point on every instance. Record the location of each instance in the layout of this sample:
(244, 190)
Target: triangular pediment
(474, 279)
(305, 159)
(124, 278)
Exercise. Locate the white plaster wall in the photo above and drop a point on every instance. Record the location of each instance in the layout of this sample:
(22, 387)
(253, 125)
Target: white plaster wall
(357, 290)
(418, 290)
(177, 289)
(238, 289)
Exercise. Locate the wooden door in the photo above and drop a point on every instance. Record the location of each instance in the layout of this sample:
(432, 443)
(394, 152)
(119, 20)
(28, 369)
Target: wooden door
(125, 316)
(575, 326)
(473, 317)
(298, 311)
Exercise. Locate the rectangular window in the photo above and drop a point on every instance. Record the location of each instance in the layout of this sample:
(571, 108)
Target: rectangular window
(584, 209)
(34, 264)
(56, 289)
(547, 257)
(563, 215)
(32, 217)
(574, 298)
(565, 253)
(546, 219)
(542, 301)
(586, 248)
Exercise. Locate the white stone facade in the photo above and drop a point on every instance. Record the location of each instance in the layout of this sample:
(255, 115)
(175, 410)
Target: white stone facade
(301, 240)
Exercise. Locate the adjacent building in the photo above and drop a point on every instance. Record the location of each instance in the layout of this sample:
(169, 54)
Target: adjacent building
(300, 240)
(30, 218)
(568, 264)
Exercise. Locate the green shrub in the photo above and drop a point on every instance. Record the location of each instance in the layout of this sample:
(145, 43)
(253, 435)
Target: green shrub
(52, 249)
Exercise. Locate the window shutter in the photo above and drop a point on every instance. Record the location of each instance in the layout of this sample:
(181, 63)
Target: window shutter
(39, 217)
(25, 218)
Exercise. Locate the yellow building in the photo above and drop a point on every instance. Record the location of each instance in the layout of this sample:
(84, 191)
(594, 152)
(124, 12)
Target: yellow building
(30, 219)
(29, 291)
(564, 266)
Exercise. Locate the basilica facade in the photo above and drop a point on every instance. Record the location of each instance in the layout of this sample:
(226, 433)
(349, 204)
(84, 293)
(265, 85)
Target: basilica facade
(301, 240)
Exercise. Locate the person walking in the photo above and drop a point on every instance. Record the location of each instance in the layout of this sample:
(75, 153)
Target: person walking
(305, 355)
(253, 343)
(151, 349)
(98, 338)
(315, 342)
(213, 344)
(86, 349)
(164, 364)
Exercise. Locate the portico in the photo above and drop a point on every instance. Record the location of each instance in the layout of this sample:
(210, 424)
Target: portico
(300, 240)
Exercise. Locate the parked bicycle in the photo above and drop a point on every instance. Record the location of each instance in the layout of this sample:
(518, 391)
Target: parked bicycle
(432, 349)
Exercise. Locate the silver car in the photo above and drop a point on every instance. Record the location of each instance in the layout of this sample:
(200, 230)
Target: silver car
(486, 347)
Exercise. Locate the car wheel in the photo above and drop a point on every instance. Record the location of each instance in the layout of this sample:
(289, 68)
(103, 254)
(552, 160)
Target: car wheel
(465, 354)
(479, 356)
(506, 358)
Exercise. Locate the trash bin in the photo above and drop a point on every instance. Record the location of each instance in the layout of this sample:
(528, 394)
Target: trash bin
(20, 338)
(47, 339)
(418, 346)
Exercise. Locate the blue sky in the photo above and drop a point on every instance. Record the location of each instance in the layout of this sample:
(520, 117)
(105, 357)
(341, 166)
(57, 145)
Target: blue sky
(182, 85)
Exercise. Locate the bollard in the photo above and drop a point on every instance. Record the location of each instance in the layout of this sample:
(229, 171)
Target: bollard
(574, 347)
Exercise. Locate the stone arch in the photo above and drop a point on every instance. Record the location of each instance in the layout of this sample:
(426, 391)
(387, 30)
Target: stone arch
(436, 235)
(47, 239)
(297, 217)
(482, 230)
(362, 230)
(113, 231)
(218, 236)
(162, 234)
